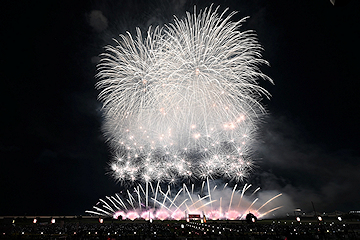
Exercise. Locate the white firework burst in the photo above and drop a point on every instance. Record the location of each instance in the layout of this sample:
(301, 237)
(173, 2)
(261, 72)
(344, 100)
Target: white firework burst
(184, 100)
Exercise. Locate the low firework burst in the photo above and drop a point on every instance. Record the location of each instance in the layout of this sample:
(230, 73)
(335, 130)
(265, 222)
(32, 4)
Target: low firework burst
(153, 202)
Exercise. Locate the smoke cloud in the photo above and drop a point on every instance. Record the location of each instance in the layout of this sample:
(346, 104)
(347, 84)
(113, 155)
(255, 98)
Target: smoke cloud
(97, 20)
(304, 170)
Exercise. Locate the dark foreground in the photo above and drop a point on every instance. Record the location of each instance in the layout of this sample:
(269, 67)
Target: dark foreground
(79, 228)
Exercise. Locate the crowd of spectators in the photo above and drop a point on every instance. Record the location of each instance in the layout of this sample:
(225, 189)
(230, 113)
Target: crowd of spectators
(279, 230)
(78, 230)
(140, 229)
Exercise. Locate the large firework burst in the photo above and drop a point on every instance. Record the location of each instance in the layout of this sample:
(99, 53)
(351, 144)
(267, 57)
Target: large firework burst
(183, 101)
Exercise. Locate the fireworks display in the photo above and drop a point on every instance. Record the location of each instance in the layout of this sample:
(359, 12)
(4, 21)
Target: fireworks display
(210, 201)
(183, 100)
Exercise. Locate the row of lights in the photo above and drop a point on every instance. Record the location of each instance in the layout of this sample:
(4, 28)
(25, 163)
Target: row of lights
(182, 225)
(319, 218)
(102, 220)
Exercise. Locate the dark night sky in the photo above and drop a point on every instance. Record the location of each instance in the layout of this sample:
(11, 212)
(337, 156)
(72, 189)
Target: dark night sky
(53, 155)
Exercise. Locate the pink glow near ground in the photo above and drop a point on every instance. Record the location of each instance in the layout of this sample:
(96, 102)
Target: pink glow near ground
(147, 215)
(132, 215)
(162, 215)
(178, 215)
(232, 215)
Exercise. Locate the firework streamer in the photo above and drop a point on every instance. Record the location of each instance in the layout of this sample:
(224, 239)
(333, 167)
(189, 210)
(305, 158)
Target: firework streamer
(217, 204)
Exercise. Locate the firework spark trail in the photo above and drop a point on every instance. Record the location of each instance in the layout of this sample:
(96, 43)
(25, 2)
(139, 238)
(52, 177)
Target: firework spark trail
(246, 187)
(209, 192)
(269, 201)
(232, 195)
(255, 191)
(183, 100)
(180, 205)
(274, 209)
(122, 203)
(187, 190)
(172, 201)
(255, 200)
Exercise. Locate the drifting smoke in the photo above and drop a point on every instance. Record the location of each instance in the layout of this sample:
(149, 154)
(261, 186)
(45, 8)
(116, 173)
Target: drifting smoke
(97, 20)
(308, 172)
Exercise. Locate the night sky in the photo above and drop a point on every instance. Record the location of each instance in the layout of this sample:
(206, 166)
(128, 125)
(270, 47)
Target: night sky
(53, 156)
